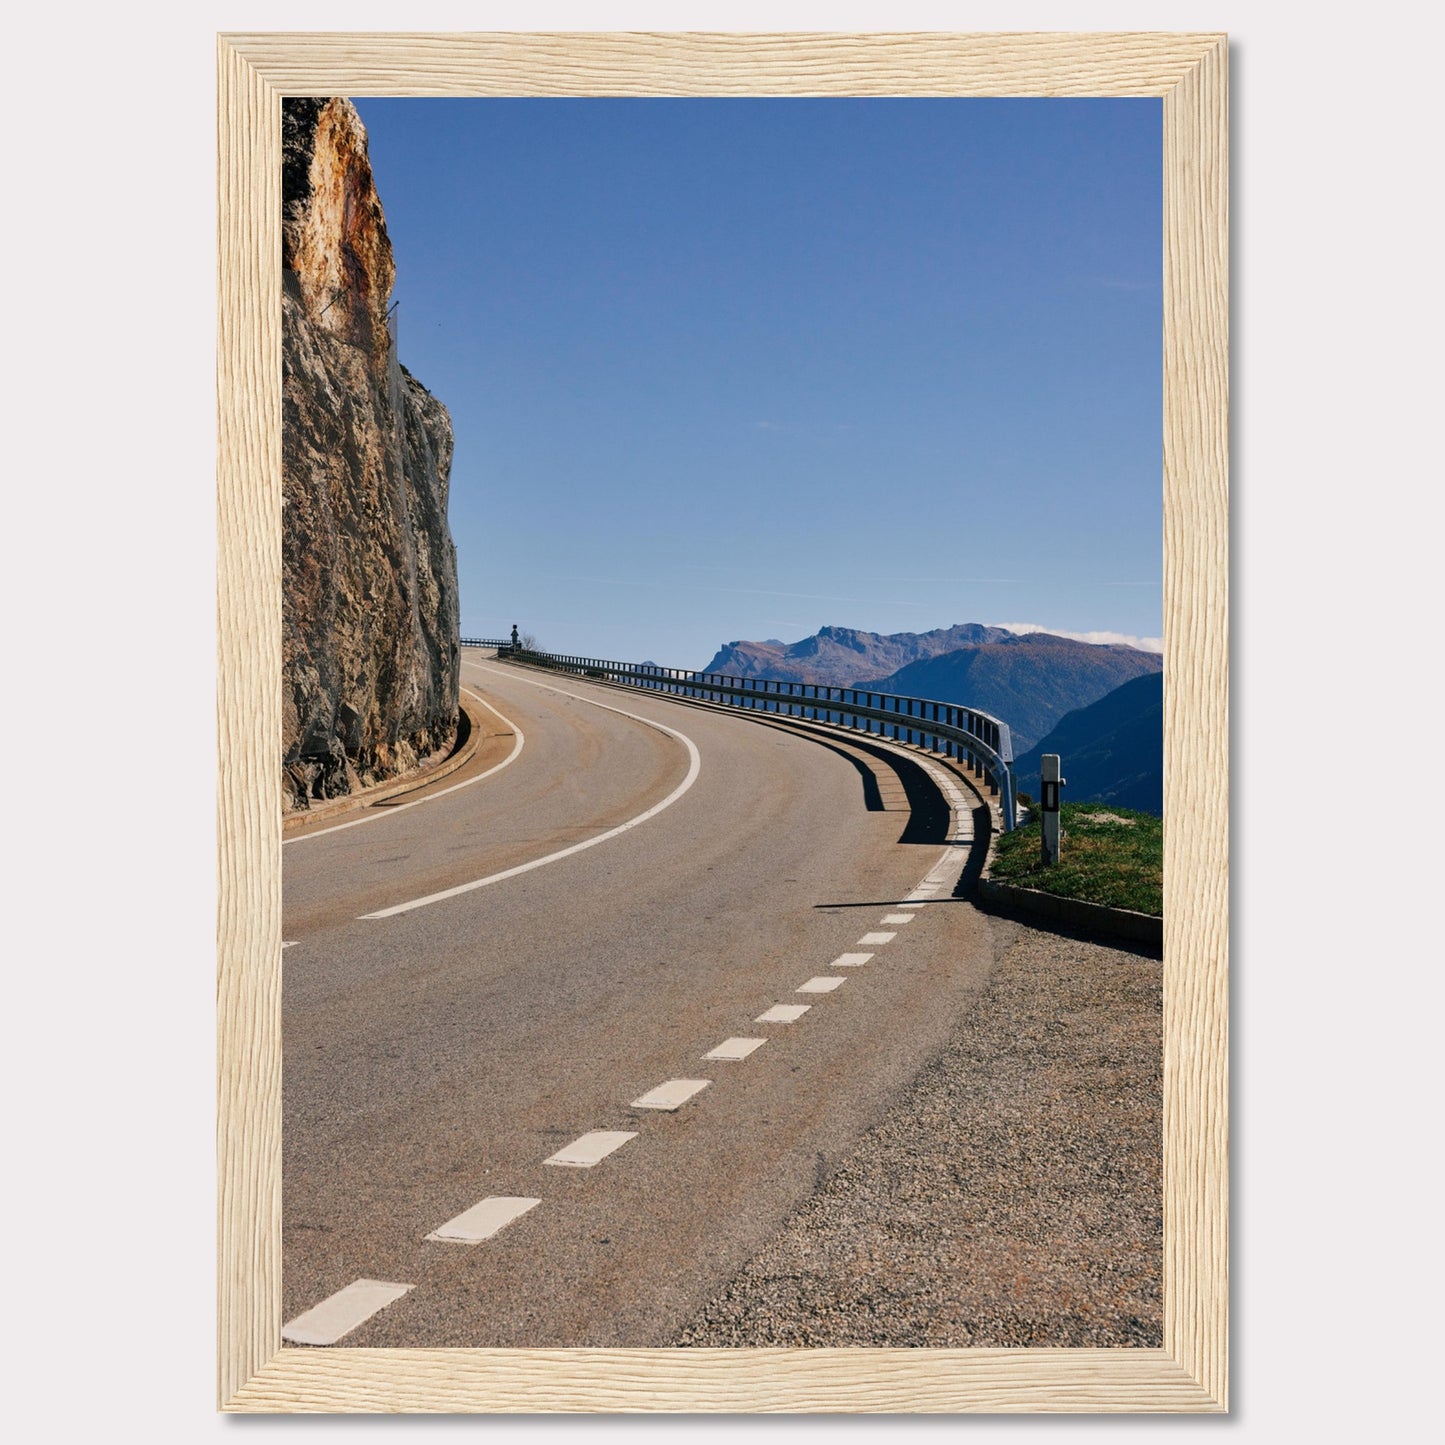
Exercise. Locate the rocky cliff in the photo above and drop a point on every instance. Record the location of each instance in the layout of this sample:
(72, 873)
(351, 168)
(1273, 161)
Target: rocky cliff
(370, 626)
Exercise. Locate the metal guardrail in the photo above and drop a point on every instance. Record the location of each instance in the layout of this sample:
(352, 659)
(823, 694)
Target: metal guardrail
(978, 740)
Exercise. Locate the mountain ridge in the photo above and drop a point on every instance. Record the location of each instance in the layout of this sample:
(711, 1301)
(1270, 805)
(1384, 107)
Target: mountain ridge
(843, 656)
(1029, 680)
(1111, 751)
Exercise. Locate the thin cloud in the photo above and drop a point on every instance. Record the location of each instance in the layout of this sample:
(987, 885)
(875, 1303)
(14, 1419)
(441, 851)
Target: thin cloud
(957, 581)
(680, 587)
(1144, 644)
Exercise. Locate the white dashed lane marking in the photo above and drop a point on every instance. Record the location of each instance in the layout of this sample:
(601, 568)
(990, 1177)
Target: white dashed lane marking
(483, 1220)
(327, 1322)
(583, 1153)
(735, 1048)
(337, 1316)
(671, 1095)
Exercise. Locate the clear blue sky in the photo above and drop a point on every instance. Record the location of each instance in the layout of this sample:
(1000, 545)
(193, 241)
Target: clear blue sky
(727, 369)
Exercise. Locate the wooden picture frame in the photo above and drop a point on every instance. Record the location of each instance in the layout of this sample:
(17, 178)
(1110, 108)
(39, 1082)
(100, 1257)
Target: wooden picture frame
(1189, 72)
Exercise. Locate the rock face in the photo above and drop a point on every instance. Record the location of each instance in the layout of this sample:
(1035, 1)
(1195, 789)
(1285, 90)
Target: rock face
(370, 622)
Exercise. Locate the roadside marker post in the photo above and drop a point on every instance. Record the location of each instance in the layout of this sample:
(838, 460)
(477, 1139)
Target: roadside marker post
(1049, 805)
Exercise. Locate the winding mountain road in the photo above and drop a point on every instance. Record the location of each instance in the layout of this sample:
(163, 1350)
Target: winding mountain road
(524, 1087)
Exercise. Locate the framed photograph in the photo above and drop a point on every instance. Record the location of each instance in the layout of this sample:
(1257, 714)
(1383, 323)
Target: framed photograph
(393, 1234)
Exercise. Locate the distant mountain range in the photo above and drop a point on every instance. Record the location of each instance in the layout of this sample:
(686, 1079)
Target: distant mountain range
(1111, 751)
(843, 656)
(1031, 681)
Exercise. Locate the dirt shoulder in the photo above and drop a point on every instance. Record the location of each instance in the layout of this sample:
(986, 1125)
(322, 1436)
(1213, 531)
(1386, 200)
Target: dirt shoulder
(484, 741)
(1010, 1196)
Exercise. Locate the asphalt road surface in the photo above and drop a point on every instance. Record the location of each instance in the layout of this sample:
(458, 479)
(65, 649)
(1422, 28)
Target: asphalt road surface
(448, 1032)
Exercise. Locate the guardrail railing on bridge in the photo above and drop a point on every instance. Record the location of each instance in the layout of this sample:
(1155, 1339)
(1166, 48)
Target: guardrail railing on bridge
(980, 741)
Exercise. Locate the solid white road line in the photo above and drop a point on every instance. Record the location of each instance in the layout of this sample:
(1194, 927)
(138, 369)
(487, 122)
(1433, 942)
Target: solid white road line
(327, 1322)
(735, 1048)
(898, 917)
(390, 810)
(483, 1220)
(821, 985)
(876, 939)
(671, 1095)
(851, 960)
(583, 1153)
(694, 766)
(783, 1013)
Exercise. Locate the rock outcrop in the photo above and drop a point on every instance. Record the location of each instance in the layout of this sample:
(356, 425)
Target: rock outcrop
(370, 620)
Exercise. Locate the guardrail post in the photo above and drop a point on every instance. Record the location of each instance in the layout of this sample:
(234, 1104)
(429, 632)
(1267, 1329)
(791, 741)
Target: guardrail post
(1049, 806)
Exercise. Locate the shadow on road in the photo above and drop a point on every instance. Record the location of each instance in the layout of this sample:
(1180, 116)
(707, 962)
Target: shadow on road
(872, 796)
(978, 854)
(928, 812)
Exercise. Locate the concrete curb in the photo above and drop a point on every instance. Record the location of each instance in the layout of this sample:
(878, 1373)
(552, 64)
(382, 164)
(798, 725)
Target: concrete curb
(421, 777)
(1071, 912)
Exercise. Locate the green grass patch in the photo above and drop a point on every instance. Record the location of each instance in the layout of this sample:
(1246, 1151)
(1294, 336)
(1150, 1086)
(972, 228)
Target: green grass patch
(1109, 855)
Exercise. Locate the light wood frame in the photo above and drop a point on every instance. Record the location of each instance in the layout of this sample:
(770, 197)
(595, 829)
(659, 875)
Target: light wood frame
(1189, 71)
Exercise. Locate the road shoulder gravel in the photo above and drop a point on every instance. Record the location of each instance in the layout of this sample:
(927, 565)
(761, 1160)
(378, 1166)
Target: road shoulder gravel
(1011, 1196)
